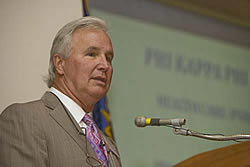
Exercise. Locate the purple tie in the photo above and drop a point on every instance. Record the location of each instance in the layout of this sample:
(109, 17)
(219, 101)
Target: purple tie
(95, 140)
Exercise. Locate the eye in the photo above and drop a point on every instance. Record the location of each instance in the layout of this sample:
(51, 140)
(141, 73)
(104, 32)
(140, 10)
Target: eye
(109, 58)
(92, 54)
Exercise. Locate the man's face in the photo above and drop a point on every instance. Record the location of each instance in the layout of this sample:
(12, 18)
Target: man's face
(88, 69)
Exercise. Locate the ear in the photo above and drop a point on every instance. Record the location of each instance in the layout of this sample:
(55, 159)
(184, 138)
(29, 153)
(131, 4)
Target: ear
(58, 63)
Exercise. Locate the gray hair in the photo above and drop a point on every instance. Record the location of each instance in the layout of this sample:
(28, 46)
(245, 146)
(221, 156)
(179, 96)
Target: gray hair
(63, 40)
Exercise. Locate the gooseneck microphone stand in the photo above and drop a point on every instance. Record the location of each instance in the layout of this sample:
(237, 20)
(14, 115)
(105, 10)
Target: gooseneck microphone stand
(178, 130)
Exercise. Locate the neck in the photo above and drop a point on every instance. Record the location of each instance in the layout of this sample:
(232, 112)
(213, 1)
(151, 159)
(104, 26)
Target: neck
(86, 105)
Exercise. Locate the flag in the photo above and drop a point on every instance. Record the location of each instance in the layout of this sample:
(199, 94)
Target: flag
(100, 112)
(85, 8)
(102, 118)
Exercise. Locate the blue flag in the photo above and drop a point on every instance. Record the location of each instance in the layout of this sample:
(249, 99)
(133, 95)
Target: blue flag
(85, 8)
(102, 118)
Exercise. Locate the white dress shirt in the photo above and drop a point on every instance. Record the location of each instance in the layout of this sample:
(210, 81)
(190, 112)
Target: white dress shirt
(76, 111)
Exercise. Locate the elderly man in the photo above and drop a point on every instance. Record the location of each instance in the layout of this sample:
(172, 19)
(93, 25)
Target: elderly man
(57, 130)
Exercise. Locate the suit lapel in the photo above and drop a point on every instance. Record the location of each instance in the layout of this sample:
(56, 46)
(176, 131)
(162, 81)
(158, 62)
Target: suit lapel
(63, 117)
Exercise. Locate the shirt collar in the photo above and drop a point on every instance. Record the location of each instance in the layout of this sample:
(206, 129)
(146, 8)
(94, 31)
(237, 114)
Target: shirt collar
(76, 111)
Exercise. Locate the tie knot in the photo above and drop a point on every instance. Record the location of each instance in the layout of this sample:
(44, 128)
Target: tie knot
(87, 120)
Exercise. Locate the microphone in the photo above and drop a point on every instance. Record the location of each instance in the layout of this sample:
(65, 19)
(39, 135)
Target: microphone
(142, 121)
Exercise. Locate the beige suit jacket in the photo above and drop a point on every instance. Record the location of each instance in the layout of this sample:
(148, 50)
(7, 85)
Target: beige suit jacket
(43, 133)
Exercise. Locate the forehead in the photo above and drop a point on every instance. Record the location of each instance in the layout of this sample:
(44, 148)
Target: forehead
(83, 39)
(89, 34)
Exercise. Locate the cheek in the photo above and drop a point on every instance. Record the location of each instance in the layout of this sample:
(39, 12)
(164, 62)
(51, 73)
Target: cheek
(84, 71)
(75, 70)
(110, 73)
(69, 69)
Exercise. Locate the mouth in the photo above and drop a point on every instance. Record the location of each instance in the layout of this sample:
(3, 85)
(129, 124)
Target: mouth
(100, 80)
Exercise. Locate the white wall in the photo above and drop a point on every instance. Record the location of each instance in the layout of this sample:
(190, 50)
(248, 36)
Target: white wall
(27, 30)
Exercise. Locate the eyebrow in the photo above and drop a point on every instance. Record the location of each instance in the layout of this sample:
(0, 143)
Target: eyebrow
(94, 49)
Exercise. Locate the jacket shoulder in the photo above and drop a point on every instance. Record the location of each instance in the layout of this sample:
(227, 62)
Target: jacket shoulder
(23, 109)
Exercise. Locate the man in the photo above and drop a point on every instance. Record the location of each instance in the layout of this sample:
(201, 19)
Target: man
(56, 130)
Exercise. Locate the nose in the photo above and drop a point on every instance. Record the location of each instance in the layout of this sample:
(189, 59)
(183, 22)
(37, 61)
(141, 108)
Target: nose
(103, 65)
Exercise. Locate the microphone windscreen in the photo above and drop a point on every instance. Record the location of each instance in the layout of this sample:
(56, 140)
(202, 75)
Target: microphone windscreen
(140, 121)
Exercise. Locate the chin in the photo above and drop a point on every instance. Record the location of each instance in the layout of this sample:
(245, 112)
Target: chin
(99, 93)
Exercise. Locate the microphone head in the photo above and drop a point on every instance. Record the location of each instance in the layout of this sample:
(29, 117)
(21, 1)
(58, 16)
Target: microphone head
(140, 121)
